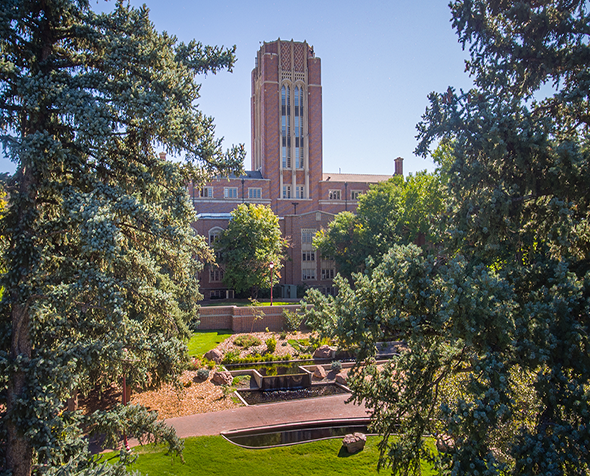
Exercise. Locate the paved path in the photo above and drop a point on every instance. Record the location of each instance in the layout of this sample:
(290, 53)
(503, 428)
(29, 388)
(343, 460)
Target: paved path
(323, 408)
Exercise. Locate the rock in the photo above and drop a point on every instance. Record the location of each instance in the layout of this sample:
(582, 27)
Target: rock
(445, 444)
(319, 372)
(222, 378)
(354, 442)
(214, 355)
(323, 352)
(341, 379)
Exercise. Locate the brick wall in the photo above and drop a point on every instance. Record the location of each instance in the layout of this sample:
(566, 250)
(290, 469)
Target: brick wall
(241, 319)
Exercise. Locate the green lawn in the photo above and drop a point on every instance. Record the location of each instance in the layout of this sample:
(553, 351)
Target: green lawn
(203, 341)
(246, 303)
(209, 455)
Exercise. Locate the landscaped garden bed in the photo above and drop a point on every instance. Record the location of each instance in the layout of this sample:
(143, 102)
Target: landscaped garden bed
(198, 395)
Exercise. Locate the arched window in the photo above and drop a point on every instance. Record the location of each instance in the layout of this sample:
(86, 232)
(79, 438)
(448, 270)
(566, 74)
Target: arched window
(299, 127)
(214, 234)
(286, 126)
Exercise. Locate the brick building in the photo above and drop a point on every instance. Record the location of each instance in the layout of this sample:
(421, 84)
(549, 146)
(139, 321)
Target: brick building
(287, 172)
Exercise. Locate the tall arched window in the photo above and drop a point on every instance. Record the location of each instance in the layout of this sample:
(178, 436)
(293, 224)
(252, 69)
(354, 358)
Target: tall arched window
(286, 126)
(299, 127)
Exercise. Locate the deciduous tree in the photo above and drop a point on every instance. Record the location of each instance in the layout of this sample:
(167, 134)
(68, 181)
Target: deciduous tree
(246, 248)
(101, 260)
(399, 211)
(497, 320)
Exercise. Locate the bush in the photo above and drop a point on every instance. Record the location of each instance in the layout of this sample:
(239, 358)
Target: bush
(246, 341)
(231, 357)
(271, 344)
(203, 374)
(283, 335)
(293, 320)
(193, 364)
(336, 365)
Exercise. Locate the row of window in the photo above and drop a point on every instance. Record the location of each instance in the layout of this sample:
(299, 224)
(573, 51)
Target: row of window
(256, 193)
(230, 192)
(299, 191)
(337, 194)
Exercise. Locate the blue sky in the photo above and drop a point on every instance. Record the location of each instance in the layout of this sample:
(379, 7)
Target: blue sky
(380, 60)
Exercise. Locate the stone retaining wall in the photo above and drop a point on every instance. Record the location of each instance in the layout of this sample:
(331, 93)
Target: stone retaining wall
(241, 319)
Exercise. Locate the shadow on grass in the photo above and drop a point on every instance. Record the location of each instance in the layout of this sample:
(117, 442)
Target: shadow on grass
(343, 453)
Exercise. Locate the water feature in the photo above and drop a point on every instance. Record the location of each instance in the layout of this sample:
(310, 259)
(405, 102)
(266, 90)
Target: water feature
(269, 370)
(295, 433)
(259, 397)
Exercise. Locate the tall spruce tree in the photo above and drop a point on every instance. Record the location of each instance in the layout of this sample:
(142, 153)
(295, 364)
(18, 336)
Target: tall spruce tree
(497, 321)
(101, 260)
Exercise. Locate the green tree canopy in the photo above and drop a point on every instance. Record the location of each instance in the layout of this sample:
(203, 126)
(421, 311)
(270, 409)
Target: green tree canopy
(497, 320)
(401, 210)
(101, 260)
(246, 248)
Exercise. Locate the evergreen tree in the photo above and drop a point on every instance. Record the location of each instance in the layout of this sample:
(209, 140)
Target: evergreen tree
(101, 260)
(496, 321)
(252, 241)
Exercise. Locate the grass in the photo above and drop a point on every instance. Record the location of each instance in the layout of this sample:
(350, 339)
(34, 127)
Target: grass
(208, 455)
(203, 341)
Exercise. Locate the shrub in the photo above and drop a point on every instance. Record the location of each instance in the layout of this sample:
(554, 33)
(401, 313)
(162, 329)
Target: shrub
(283, 335)
(336, 365)
(193, 364)
(203, 374)
(231, 357)
(293, 320)
(271, 344)
(246, 341)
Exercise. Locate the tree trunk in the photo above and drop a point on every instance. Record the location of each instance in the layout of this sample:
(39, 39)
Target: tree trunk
(19, 451)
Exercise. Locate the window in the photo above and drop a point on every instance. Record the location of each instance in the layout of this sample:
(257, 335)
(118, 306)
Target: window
(307, 236)
(214, 234)
(286, 127)
(206, 192)
(308, 256)
(334, 195)
(218, 294)
(286, 191)
(299, 127)
(307, 274)
(254, 192)
(230, 192)
(354, 194)
(299, 191)
(328, 268)
(215, 275)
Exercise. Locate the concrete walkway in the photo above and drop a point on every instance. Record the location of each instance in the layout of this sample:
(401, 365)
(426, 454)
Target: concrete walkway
(311, 409)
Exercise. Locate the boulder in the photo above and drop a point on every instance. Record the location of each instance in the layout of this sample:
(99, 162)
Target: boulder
(222, 378)
(354, 442)
(323, 352)
(341, 379)
(214, 355)
(319, 372)
(445, 444)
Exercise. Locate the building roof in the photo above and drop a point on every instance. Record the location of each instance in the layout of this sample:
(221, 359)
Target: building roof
(248, 174)
(351, 178)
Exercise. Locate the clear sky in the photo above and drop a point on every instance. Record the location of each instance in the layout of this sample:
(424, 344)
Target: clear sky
(380, 60)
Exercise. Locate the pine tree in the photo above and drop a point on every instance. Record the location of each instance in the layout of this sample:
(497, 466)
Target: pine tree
(101, 260)
(496, 321)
